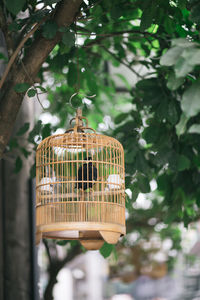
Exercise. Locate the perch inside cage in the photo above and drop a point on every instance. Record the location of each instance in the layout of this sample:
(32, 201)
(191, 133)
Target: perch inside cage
(80, 187)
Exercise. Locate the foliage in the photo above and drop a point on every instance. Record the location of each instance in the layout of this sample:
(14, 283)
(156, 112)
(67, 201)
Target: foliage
(157, 117)
(106, 250)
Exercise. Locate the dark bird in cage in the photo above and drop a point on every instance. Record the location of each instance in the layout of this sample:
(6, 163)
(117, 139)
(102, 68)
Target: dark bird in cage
(86, 172)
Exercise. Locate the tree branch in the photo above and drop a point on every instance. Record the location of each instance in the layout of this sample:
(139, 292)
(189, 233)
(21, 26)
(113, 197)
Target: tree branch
(47, 250)
(74, 251)
(33, 83)
(10, 101)
(56, 267)
(13, 57)
(122, 62)
(115, 33)
(111, 34)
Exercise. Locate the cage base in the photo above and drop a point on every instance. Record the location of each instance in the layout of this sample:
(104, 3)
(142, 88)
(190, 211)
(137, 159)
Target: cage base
(91, 235)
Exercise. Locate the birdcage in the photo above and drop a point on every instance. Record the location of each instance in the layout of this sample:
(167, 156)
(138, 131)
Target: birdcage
(80, 190)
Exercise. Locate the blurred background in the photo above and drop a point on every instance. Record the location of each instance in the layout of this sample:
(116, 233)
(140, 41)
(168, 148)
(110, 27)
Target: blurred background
(140, 271)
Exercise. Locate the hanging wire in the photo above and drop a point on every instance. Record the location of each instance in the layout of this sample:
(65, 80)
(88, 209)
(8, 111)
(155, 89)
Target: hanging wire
(77, 59)
(77, 87)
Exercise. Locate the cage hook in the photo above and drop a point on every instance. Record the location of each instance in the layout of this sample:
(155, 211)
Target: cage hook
(79, 125)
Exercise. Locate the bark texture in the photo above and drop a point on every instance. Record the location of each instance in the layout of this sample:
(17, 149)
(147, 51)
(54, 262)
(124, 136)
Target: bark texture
(15, 227)
(10, 101)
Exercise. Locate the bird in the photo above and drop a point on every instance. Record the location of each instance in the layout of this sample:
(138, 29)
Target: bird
(86, 172)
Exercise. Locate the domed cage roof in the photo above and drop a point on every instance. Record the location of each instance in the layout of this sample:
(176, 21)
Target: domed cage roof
(80, 188)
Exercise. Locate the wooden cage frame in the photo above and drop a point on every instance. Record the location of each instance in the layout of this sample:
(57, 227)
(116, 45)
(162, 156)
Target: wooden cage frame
(80, 188)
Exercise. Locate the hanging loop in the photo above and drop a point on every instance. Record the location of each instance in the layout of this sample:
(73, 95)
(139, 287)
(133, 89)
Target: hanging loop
(82, 95)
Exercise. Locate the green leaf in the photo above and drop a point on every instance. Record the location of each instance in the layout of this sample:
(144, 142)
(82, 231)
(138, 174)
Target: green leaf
(49, 29)
(31, 93)
(3, 57)
(23, 129)
(72, 74)
(14, 26)
(64, 49)
(76, 101)
(151, 133)
(196, 161)
(184, 43)
(195, 13)
(68, 39)
(35, 131)
(169, 25)
(163, 156)
(121, 118)
(25, 152)
(38, 15)
(14, 6)
(130, 155)
(182, 67)
(135, 192)
(128, 203)
(164, 183)
(116, 12)
(173, 160)
(181, 126)
(46, 131)
(62, 29)
(106, 249)
(171, 56)
(190, 103)
(62, 242)
(91, 81)
(183, 163)
(141, 163)
(195, 128)
(13, 144)
(21, 87)
(172, 115)
(143, 184)
(147, 17)
(173, 82)
(192, 56)
(182, 4)
(115, 255)
(97, 11)
(18, 165)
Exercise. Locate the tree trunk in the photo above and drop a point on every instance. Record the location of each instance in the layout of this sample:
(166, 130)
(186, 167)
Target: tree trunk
(16, 222)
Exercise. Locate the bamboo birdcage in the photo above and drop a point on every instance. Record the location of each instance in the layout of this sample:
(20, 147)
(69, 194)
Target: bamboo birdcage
(80, 191)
